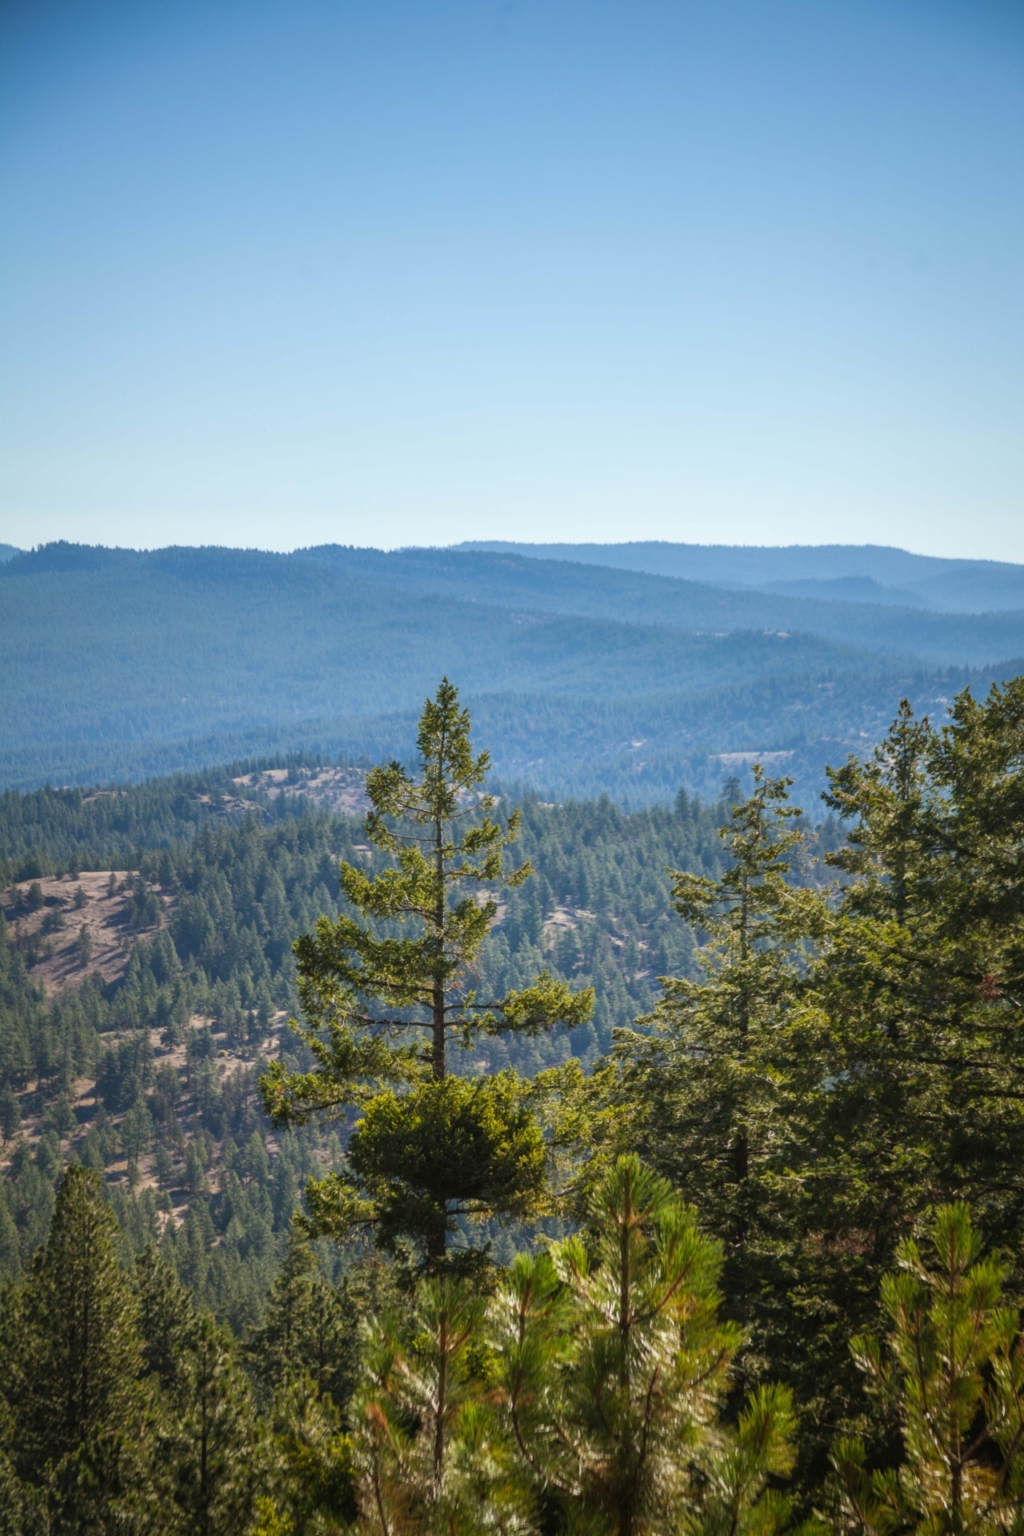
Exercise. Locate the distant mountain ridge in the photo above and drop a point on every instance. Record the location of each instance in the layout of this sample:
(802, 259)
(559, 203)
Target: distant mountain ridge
(589, 678)
(636, 597)
(896, 577)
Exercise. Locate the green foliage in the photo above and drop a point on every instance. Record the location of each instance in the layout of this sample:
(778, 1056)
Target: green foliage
(209, 1449)
(71, 1363)
(824, 1068)
(922, 976)
(909, 1055)
(425, 1453)
(847, 1059)
(308, 1329)
(614, 1366)
(383, 998)
(166, 1317)
(312, 1475)
(456, 1147)
(954, 1374)
(705, 1078)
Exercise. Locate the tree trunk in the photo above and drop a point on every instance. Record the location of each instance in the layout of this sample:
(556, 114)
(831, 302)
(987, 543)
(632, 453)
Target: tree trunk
(437, 1010)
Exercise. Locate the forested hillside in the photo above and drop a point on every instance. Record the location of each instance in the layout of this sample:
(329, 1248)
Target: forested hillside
(148, 1072)
(588, 680)
(579, 1249)
(605, 591)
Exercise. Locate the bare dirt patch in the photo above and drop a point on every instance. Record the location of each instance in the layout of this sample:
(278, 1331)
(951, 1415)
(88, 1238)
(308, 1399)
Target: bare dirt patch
(50, 932)
(342, 790)
(563, 918)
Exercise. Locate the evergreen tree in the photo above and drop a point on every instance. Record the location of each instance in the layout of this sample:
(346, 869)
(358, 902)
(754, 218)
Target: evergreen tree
(167, 1318)
(312, 1464)
(911, 1050)
(921, 981)
(427, 1452)
(10, 1254)
(306, 1329)
(77, 1415)
(209, 1449)
(704, 1086)
(22, 1510)
(613, 1368)
(10, 1114)
(384, 998)
(954, 1370)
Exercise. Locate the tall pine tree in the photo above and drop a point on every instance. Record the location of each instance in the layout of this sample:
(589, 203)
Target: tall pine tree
(77, 1414)
(913, 1055)
(387, 988)
(210, 1451)
(705, 1085)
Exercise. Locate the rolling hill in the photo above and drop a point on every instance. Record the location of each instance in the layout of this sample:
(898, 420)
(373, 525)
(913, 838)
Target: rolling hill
(586, 678)
(878, 573)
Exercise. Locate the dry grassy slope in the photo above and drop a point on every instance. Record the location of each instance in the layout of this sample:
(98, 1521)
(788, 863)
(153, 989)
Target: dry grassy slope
(229, 1062)
(85, 1103)
(88, 901)
(333, 789)
(70, 904)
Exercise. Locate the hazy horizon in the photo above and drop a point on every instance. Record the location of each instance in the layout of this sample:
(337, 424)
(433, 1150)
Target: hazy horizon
(283, 275)
(705, 544)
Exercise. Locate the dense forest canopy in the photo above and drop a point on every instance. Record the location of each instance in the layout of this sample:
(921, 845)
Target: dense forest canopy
(737, 1204)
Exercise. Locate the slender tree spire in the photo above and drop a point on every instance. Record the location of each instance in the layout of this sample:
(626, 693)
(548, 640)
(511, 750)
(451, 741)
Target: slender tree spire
(387, 988)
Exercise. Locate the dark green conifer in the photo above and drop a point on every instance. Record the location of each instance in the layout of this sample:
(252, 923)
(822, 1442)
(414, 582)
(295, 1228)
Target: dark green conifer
(912, 1047)
(306, 1329)
(72, 1361)
(311, 1474)
(10, 1253)
(209, 1451)
(385, 997)
(10, 1114)
(706, 1086)
(167, 1318)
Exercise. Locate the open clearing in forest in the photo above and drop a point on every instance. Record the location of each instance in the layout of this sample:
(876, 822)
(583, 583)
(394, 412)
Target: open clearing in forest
(49, 933)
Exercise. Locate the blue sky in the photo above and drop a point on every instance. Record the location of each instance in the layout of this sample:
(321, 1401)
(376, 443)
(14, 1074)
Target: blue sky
(289, 271)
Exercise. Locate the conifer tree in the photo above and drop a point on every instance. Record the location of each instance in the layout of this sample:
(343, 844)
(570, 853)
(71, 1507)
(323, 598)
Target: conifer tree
(10, 1114)
(23, 1510)
(954, 1370)
(912, 1037)
(613, 1368)
(166, 1316)
(305, 1329)
(922, 979)
(427, 1451)
(10, 1254)
(387, 991)
(209, 1443)
(704, 1078)
(311, 1472)
(72, 1359)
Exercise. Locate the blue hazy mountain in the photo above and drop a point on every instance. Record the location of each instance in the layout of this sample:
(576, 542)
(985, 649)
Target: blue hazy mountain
(566, 586)
(885, 575)
(122, 664)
